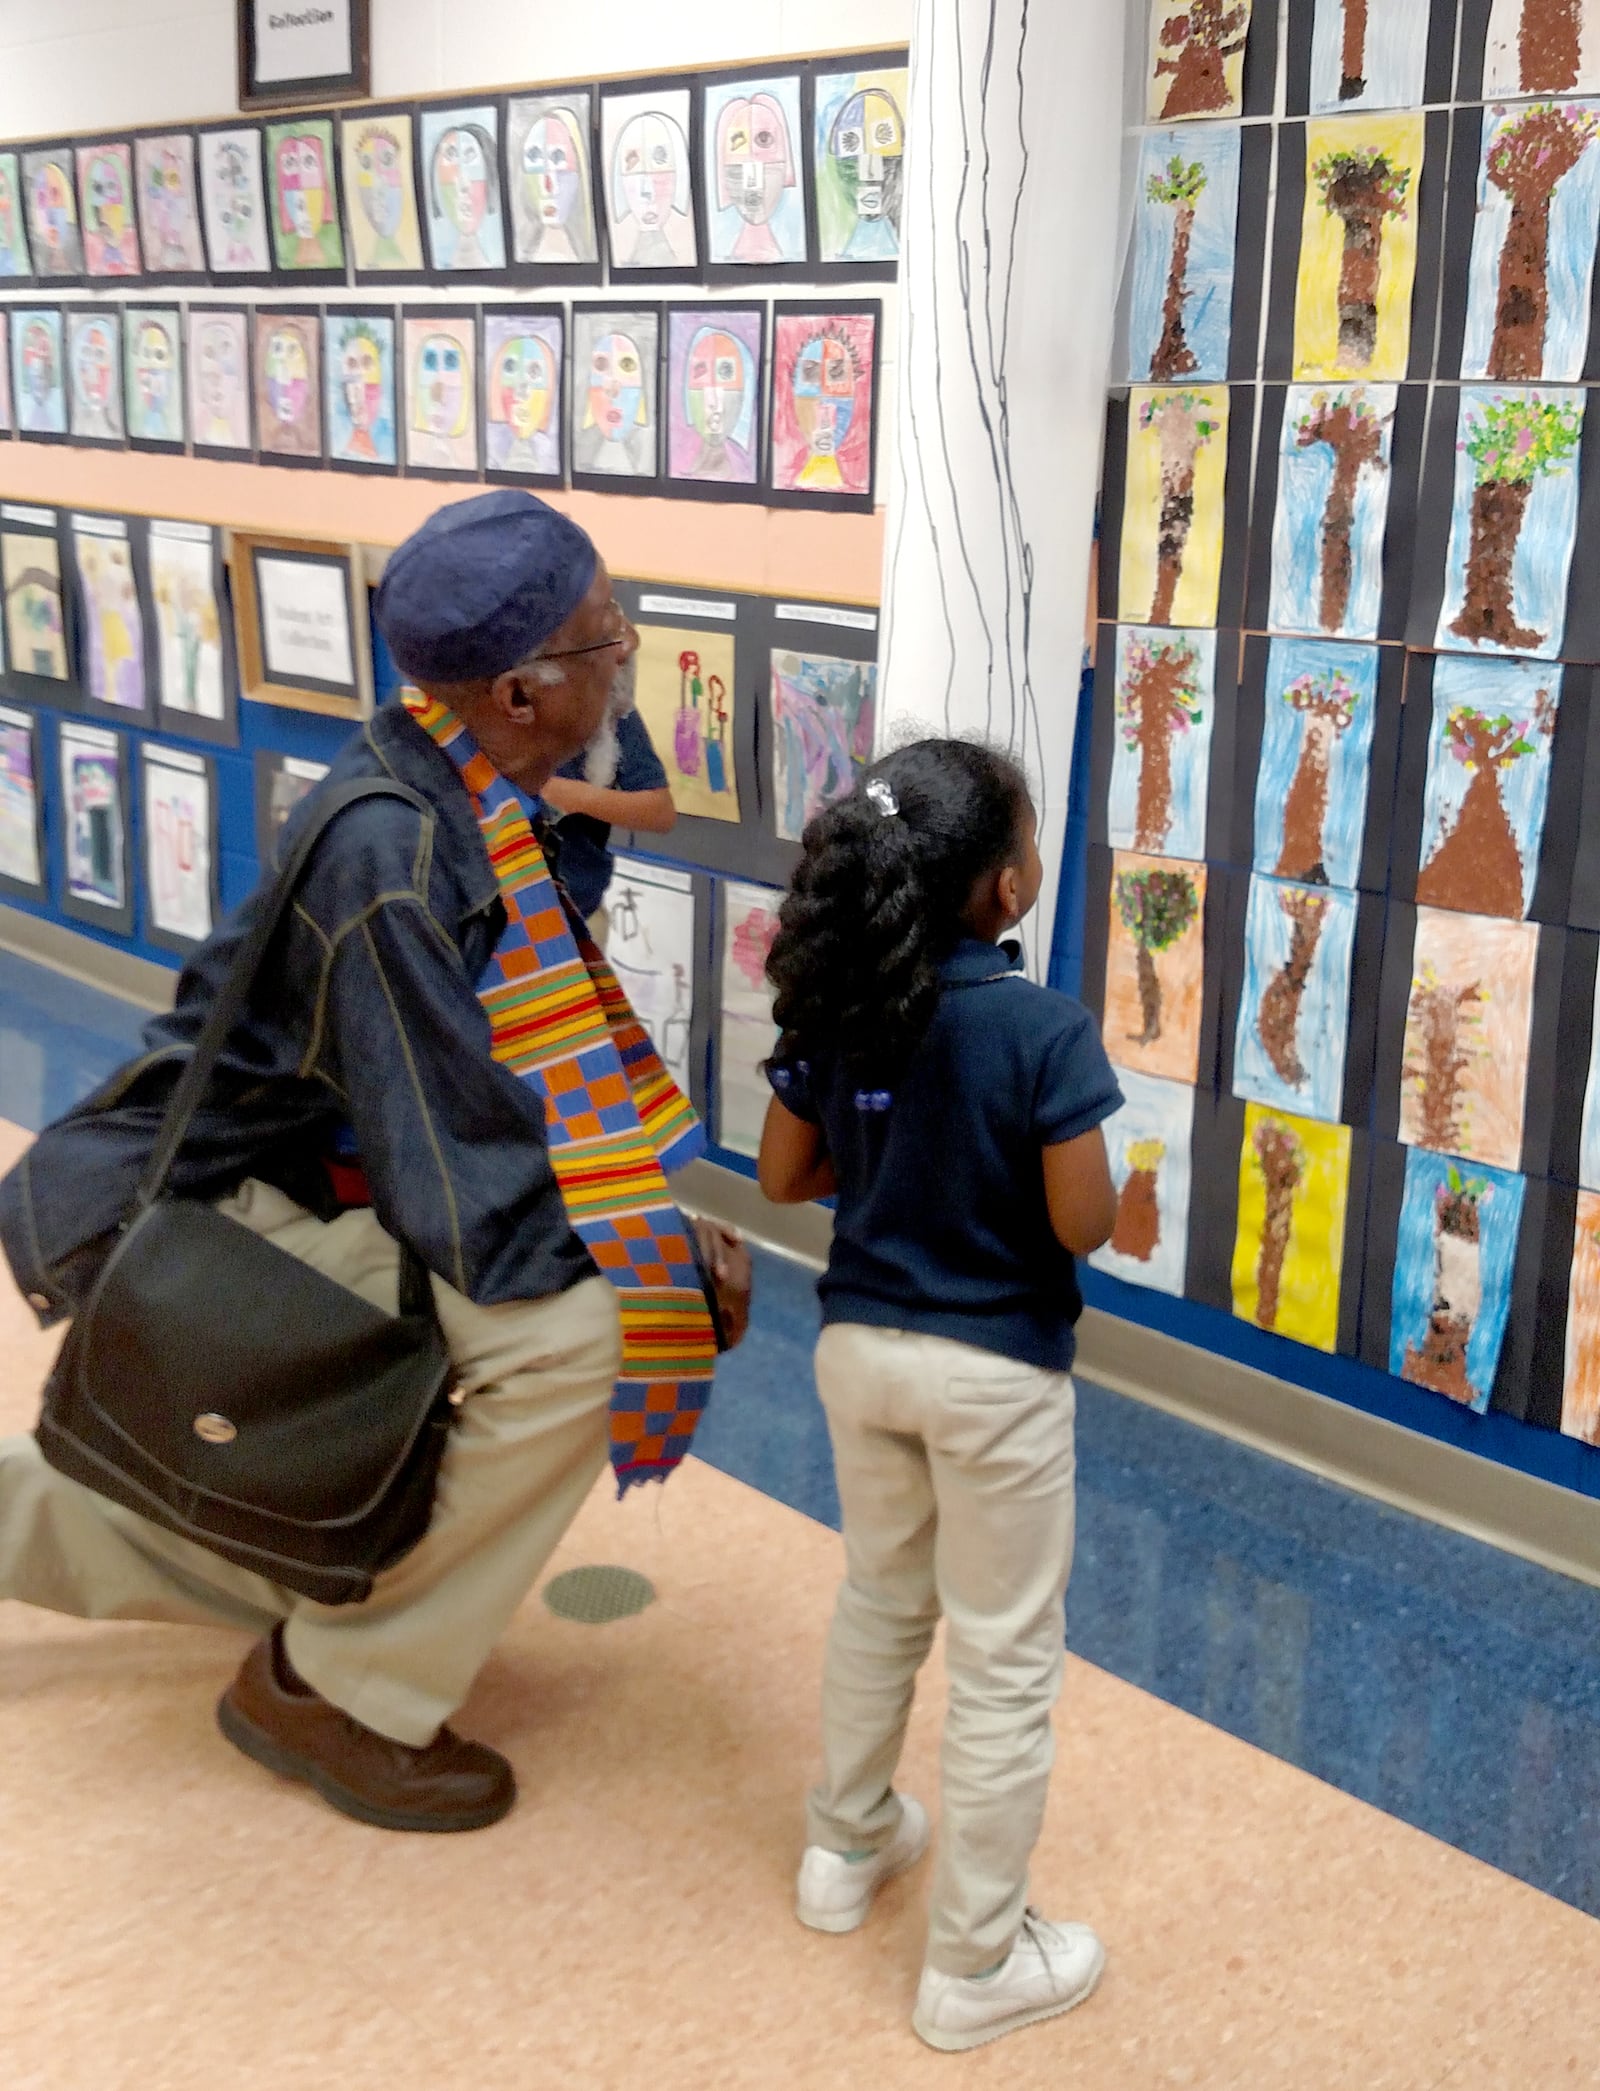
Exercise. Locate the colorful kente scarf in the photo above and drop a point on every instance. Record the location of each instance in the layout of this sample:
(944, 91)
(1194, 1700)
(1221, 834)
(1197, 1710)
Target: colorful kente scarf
(616, 1120)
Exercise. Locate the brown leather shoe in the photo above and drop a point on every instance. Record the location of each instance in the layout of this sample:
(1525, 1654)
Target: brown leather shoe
(275, 1717)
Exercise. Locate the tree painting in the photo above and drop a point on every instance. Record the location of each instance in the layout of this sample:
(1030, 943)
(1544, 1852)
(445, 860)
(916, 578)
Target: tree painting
(1278, 1018)
(1156, 907)
(1362, 189)
(1477, 863)
(1352, 429)
(1179, 185)
(1512, 443)
(1530, 156)
(1549, 45)
(1137, 1232)
(1182, 423)
(1200, 38)
(1282, 1161)
(1159, 698)
(1443, 1037)
(1353, 51)
(1327, 704)
(1439, 1361)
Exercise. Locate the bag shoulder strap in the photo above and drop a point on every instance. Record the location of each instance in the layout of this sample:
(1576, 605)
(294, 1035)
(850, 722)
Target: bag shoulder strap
(230, 1003)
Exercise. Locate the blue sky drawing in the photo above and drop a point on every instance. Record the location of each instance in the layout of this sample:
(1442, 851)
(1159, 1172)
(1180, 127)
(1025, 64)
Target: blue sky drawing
(1499, 1222)
(1574, 225)
(1324, 1009)
(1208, 310)
(1544, 547)
(1305, 475)
(1283, 734)
(1393, 64)
(1154, 1110)
(1495, 688)
(1191, 751)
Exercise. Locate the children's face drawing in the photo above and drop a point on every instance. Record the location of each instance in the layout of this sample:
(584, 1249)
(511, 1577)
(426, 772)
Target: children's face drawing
(378, 178)
(163, 189)
(715, 384)
(237, 210)
(8, 210)
(650, 168)
(461, 176)
(288, 375)
(153, 368)
(52, 204)
(616, 386)
(219, 371)
(824, 393)
(755, 159)
(107, 192)
(361, 373)
(303, 185)
(551, 170)
(38, 361)
(523, 385)
(867, 132)
(440, 391)
(92, 365)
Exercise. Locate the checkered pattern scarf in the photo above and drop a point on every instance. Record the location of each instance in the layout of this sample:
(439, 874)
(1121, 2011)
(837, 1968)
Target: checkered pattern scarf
(616, 1120)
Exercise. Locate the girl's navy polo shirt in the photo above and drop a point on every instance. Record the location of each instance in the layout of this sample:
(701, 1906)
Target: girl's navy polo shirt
(942, 1224)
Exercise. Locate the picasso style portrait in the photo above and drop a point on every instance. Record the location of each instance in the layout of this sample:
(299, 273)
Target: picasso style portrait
(7, 418)
(1161, 760)
(1155, 964)
(94, 367)
(1455, 1256)
(824, 712)
(1316, 757)
(381, 193)
(15, 261)
(649, 179)
(1288, 1251)
(304, 195)
(615, 424)
(51, 201)
(1358, 247)
(824, 378)
(1533, 243)
(1294, 1006)
(550, 181)
(288, 383)
(1488, 785)
(1464, 1080)
(1173, 511)
(859, 145)
(38, 371)
(358, 369)
(686, 692)
(461, 189)
(219, 378)
(1186, 208)
(714, 394)
(234, 202)
(169, 210)
(154, 348)
(1148, 1144)
(439, 353)
(1333, 507)
(755, 205)
(523, 355)
(106, 210)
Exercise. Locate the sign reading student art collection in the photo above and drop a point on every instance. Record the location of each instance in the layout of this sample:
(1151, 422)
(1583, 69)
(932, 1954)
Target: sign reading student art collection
(302, 51)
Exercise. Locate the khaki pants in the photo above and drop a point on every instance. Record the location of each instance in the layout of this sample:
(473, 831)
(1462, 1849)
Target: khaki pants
(530, 1440)
(955, 1473)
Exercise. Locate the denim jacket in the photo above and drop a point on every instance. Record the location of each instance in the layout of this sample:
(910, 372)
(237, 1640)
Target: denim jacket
(364, 1020)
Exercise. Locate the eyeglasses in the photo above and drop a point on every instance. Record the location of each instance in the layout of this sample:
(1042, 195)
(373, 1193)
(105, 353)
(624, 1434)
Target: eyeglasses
(619, 637)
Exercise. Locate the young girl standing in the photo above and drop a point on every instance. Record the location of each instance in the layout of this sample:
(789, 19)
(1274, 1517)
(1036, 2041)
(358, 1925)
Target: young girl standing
(955, 1109)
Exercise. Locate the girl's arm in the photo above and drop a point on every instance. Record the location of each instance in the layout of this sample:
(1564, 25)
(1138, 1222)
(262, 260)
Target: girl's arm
(651, 812)
(795, 1164)
(1079, 1190)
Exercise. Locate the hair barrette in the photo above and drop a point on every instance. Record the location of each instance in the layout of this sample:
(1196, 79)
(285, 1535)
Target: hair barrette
(882, 797)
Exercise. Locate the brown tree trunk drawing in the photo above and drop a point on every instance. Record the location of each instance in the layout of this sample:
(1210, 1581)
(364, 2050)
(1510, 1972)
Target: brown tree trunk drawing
(1440, 1360)
(1149, 996)
(1156, 701)
(1531, 156)
(1172, 535)
(1206, 33)
(1477, 866)
(1499, 507)
(1353, 56)
(1278, 1018)
(1360, 189)
(1354, 434)
(1282, 1162)
(1173, 357)
(1549, 45)
(1137, 1233)
(1441, 1018)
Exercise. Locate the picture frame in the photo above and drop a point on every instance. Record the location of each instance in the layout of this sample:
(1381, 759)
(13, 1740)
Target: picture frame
(306, 597)
(285, 59)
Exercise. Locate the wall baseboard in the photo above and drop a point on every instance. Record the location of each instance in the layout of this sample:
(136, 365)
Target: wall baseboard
(124, 973)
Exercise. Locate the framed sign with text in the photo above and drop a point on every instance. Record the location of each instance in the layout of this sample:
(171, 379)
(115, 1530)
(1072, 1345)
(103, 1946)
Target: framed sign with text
(303, 51)
(300, 608)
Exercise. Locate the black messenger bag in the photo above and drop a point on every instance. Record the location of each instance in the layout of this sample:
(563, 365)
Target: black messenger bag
(228, 1392)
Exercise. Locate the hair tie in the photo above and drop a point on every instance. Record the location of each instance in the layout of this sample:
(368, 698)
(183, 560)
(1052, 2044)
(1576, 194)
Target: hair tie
(882, 797)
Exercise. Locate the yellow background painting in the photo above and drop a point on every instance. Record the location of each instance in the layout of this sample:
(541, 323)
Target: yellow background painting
(1308, 1286)
(1580, 1404)
(1195, 601)
(1180, 971)
(682, 743)
(1316, 314)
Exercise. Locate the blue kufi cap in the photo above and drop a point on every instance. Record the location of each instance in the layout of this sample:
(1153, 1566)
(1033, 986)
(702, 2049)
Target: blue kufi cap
(480, 585)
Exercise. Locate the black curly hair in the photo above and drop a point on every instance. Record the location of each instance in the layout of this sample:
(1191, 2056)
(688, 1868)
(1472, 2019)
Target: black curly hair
(877, 899)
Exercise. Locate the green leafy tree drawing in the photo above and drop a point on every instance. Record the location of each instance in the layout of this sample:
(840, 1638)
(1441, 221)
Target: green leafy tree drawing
(1180, 186)
(1156, 908)
(1512, 443)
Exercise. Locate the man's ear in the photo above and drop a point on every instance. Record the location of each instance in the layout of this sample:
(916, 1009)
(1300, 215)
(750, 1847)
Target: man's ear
(512, 697)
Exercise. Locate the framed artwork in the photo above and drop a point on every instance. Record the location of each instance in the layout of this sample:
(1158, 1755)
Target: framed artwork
(461, 190)
(1332, 510)
(1155, 965)
(651, 949)
(358, 367)
(50, 191)
(195, 671)
(153, 344)
(180, 845)
(1488, 785)
(1148, 1144)
(1358, 246)
(113, 627)
(95, 886)
(1316, 756)
(550, 185)
(1294, 1194)
(1531, 275)
(94, 374)
(746, 1033)
(753, 162)
(1186, 212)
(219, 381)
(16, 263)
(311, 54)
(1469, 1020)
(824, 405)
(824, 714)
(686, 691)
(303, 197)
(21, 806)
(7, 419)
(1174, 509)
(1161, 761)
(281, 781)
(1196, 65)
(288, 385)
(715, 367)
(1532, 48)
(1455, 1262)
(380, 188)
(302, 620)
(616, 429)
(233, 200)
(106, 209)
(858, 154)
(524, 393)
(647, 161)
(37, 639)
(439, 390)
(169, 205)
(1294, 1010)
(38, 373)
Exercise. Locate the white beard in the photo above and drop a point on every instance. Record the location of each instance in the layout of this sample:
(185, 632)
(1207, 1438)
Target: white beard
(601, 756)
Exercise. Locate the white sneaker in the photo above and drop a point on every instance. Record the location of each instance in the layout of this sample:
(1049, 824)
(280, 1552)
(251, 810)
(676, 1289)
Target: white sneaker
(1050, 1968)
(834, 1893)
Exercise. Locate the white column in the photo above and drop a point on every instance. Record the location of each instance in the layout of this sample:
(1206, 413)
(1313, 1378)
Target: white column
(1011, 245)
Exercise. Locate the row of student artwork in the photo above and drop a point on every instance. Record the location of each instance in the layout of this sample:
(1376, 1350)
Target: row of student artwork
(721, 401)
(797, 171)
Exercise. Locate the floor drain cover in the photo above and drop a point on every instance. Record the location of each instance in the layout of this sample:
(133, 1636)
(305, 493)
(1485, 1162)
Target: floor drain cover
(595, 1596)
